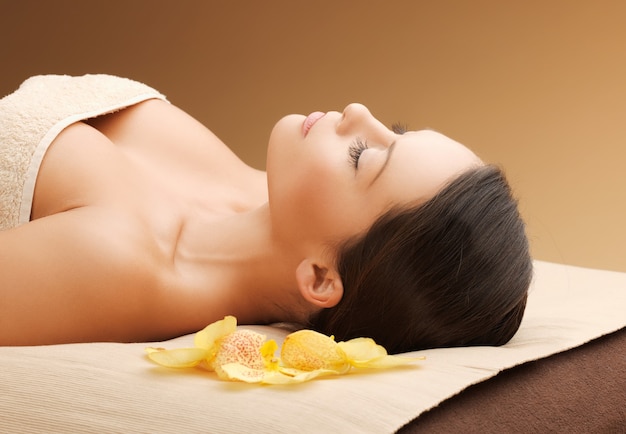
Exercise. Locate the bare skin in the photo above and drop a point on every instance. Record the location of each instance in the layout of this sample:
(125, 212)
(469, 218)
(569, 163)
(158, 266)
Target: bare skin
(117, 258)
(145, 226)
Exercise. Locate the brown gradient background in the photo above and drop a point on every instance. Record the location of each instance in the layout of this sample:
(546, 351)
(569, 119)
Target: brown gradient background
(536, 86)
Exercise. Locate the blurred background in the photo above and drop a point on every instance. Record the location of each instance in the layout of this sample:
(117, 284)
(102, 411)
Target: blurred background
(537, 86)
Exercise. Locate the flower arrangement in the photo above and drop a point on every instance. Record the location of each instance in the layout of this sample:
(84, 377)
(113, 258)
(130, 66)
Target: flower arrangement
(245, 355)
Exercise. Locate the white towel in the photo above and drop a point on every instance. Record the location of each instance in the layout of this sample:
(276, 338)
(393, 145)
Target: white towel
(31, 118)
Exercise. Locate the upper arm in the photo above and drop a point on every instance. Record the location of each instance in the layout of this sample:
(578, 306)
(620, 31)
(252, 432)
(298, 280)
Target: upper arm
(70, 277)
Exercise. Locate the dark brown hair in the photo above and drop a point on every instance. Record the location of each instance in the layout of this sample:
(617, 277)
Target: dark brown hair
(453, 271)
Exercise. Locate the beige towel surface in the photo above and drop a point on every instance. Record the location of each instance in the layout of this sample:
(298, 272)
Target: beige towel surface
(33, 115)
(108, 387)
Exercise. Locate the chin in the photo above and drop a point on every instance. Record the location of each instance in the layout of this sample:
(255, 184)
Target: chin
(284, 141)
(289, 126)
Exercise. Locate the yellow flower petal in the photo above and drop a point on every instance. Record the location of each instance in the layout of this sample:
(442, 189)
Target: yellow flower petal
(268, 349)
(362, 349)
(365, 353)
(179, 358)
(298, 376)
(239, 372)
(388, 362)
(276, 378)
(236, 371)
(242, 347)
(308, 350)
(207, 337)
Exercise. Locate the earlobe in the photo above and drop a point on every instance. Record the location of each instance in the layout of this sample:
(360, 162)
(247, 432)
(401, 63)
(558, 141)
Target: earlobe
(319, 284)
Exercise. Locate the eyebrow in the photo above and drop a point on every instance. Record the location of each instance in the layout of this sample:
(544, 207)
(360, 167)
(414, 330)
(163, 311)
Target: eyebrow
(385, 163)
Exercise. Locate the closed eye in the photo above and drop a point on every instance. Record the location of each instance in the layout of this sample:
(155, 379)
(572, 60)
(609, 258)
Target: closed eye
(356, 149)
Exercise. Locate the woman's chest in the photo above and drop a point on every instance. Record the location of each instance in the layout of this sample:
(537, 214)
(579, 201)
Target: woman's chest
(151, 157)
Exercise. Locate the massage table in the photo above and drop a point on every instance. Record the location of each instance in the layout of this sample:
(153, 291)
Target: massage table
(564, 371)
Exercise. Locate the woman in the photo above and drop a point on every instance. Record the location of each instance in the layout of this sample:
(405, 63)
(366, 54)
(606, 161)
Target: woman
(143, 226)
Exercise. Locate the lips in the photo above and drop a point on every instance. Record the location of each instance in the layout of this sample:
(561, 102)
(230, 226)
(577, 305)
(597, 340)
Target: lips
(310, 121)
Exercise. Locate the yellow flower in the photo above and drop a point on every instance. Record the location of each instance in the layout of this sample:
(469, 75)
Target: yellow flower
(245, 355)
(307, 350)
(217, 345)
(307, 354)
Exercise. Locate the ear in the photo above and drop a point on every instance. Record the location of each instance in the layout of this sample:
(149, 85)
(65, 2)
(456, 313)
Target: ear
(319, 284)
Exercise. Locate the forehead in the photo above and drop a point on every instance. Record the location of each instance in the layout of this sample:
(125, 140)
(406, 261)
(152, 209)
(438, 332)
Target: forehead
(436, 148)
(435, 138)
(424, 161)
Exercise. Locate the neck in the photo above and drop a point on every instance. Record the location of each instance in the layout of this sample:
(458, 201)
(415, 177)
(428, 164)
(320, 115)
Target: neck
(240, 262)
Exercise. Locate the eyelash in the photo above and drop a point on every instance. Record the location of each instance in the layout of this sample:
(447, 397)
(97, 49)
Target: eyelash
(399, 128)
(356, 149)
(359, 145)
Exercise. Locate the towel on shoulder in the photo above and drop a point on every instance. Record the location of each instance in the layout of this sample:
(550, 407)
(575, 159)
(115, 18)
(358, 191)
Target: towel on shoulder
(33, 115)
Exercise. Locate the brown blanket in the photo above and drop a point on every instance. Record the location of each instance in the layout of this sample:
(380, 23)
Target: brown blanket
(582, 390)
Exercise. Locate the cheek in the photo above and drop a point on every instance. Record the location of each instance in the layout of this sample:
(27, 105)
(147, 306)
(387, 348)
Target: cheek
(317, 192)
(334, 211)
(316, 206)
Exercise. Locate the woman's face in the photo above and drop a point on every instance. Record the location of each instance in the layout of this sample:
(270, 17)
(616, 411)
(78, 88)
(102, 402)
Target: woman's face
(330, 175)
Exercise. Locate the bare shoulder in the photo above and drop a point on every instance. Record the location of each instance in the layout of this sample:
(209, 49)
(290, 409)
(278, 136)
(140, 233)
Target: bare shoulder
(96, 261)
(80, 275)
(161, 136)
(163, 130)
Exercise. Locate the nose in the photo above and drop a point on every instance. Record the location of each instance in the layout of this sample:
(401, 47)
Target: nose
(357, 120)
(353, 117)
